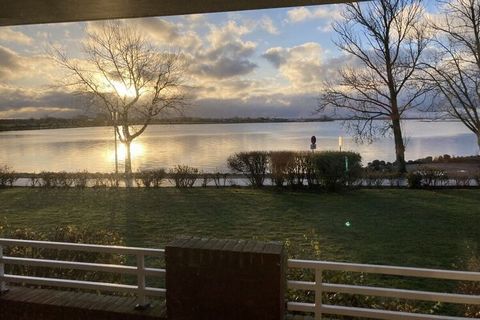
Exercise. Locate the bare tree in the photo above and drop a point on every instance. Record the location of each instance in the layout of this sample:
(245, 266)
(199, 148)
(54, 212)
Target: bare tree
(126, 77)
(454, 70)
(387, 40)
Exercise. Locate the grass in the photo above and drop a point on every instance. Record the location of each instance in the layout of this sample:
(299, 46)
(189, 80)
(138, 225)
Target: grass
(398, 227)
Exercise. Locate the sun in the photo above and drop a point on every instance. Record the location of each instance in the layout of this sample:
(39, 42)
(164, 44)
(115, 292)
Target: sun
(123, 90)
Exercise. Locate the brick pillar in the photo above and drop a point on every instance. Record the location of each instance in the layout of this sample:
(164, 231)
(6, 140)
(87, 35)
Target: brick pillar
(210, 279)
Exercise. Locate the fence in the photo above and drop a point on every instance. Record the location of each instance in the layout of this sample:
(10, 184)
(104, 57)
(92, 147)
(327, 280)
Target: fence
(319, 287)
(141, 291)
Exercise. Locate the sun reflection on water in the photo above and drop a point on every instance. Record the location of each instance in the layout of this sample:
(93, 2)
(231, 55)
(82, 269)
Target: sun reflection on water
(137, 149)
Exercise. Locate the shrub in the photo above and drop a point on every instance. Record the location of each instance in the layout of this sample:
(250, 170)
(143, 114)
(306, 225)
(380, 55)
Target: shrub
(281, 163)
(112, 179)
(206, 178)
(460, 180)
(80, 179)
(373, 178)
(64, 234)
(471, 287)
(414, 180)
(476, 178)
(183, 176)
(252, 164)
(99, 180)
(296, 171)
(35, 180)
(150, 178)
(7, 177)
(394, 178)
(63, 179)
(433, 177)
(47, 179)
(220, 179)
(330, 168)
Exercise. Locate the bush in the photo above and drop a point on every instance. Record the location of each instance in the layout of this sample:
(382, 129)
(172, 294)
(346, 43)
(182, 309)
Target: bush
(414, 180)
(80, 179)
(461, 180)
(64, 234)
(150, 178)
(297, 169)
(183, 176)
(281, 164)
(220, 179)
(47, 179)
(476, 178)
(7, 177)
(471, 287)
(433, 177)
(394, 178)
(63, 179)
(373, 178)
(329, 168)
(252, 164)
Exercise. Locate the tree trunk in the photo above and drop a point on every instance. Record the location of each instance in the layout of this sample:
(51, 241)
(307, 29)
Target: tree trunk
(399, 145)
(128, 158)
(478, 140)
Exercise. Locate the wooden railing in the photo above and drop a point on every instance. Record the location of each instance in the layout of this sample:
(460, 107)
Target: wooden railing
(140, 271)
(318, 308)
(319, 287)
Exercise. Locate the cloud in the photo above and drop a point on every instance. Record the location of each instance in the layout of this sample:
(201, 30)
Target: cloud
(301, 14)
(266, 23)
(10, 63)
(27, 102)
(306, 67)
(224, 54)
(225, 67)
(32, 68)
(269, 105)
(165, 33)
(301, 65)
(8, 34)
(326, 15)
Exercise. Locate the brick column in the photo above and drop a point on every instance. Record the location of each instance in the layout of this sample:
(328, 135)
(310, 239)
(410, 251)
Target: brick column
(210, 279)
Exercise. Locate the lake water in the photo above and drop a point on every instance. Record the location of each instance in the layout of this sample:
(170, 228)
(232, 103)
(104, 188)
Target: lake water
(207, 146)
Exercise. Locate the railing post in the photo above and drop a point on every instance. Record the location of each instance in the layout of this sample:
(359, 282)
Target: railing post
(3, 285)
(318, 293)
(142, 303)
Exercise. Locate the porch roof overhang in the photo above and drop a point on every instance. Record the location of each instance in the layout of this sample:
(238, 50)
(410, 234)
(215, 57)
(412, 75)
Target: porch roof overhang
(20, 12)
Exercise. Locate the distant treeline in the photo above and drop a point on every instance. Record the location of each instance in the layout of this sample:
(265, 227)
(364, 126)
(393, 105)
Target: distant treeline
(82, 121)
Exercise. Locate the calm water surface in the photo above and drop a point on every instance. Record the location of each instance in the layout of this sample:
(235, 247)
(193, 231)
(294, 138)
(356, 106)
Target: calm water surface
(207, 146)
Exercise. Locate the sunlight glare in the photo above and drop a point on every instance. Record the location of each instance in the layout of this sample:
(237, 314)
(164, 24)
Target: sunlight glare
(123, 90)
(136, 150)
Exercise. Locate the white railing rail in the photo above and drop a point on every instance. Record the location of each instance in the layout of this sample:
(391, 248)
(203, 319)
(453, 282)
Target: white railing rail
(319, 287)
(140, 271)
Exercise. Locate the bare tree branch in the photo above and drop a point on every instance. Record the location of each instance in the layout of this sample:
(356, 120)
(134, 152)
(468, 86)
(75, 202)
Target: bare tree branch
(126, 75)
(454, 71)
(388, 40)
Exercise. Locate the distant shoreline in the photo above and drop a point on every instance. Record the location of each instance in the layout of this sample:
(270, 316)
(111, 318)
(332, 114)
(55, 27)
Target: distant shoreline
(60, 123)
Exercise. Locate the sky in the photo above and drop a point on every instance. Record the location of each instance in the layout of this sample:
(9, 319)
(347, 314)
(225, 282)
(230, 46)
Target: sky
(262, 63)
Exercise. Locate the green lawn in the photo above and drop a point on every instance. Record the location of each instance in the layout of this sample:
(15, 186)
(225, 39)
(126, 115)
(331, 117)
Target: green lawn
(399, 227)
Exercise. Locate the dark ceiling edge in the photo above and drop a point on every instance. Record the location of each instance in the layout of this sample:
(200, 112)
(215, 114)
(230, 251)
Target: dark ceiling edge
(22, 12)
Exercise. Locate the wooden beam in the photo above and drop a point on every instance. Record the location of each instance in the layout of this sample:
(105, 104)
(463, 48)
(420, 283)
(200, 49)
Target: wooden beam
(19, 12)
